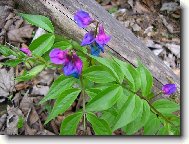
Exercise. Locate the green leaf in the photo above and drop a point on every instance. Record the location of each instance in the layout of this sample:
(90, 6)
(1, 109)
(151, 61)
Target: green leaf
(163, 131)
(105, 99)
(99, 126)
(6, 51)
(63, 102)
(12, 62)
(166, 106)
(109, 116)
(129, 112)
(123, 98)
(152, 125)
(61, 84)
(146, 80)
(92, 92)
(140, 121)
(98, 74)
(20, 123)
(131, 74)
(63, 45)
(78, 47)
(42, 44)
(30, 74)
(39, 21)
(106, 62)
(70, 123)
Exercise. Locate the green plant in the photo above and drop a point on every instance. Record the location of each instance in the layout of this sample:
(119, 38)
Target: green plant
(117, 91)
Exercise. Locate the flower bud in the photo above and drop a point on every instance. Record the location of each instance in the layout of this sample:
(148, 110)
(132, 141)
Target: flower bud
(82, 19)
(169, 89)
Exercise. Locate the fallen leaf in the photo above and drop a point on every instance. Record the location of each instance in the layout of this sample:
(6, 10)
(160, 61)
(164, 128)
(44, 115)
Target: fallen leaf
(18, 35)
(6, 83)
(3, 121)
(40, 90)
(169, 7)
(12, 120)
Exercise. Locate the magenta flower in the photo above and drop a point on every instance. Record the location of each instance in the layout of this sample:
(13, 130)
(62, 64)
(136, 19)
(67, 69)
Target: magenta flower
(74, 66)
(26, 51)
(101, 37)
(169, 89)
(82, 19)
(88, 38)
(58, 56)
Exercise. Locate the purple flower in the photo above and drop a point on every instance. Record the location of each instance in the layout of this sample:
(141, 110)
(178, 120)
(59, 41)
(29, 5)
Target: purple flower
(82, 18)
(101, 37)
(88, 38)
(58, 56)
(96, 48)
(169, 89)
(26, 51)
(74, 66)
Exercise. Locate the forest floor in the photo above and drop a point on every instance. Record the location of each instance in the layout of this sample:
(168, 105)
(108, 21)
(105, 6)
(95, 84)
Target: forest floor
(155, 22)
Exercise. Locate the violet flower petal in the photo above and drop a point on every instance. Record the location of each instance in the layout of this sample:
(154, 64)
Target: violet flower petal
(58, 56)
(101, 37)
(26, 51)
(82, 19)
(88, 38)
(169, 89)
(70, 69)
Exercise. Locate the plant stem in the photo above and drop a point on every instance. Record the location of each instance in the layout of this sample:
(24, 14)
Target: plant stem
(153, 108)
(156, 111)
(84, 111)
(96, 29)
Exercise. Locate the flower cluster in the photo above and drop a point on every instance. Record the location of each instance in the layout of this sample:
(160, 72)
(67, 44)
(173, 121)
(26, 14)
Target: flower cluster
(72, 64)
(96, 41)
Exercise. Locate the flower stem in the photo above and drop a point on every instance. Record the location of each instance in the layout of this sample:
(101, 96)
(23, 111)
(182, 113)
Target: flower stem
(157, 112)
(96, 29)
(84, 111)
(153, 108)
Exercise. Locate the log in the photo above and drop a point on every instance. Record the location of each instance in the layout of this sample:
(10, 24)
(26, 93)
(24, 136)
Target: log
(124, 44)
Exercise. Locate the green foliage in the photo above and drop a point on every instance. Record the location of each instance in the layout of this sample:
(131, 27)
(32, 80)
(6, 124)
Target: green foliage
(105, 99)
(129, 111)
(65, 44)
(70, 123)
(146, 80)
(20, 123)
(115, 90)
(131, 75)
(98, 74)
(39, 21)
(152, 125)
(12, 62)
(166, 106)
(63, 102)
(6, 51)
(110, 116)
(106, 63)
(42, 44)
(100, 126)
(61, 84)
(31, 73)
(140, 121)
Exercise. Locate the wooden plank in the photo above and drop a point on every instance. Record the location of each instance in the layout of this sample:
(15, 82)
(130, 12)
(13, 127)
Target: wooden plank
(123, 44)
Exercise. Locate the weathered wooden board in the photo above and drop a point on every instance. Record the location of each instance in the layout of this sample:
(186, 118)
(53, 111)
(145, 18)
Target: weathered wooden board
(123, 44)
